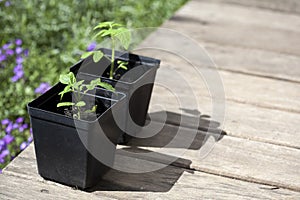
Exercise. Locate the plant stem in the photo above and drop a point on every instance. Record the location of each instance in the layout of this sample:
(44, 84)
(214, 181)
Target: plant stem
(111, 73)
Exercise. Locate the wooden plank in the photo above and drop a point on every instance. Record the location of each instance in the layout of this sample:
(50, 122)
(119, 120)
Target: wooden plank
(258, 91)
(233, 157)
(180, 183)
(238, 41)
(288, 6)
(233, 25)
(241, 120)
(226, 25)
(255, 62)
(204, 186)
(16, 188)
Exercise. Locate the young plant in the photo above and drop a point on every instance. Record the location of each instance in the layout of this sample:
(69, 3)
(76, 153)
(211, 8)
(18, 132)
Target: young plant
(116, 33)
(78, 88)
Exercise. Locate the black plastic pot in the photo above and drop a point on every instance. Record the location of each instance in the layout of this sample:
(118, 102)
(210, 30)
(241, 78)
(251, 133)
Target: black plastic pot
(137, 84)
(61, 154)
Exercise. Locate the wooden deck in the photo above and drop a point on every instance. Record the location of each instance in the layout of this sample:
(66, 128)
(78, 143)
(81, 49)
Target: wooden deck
(256, 46)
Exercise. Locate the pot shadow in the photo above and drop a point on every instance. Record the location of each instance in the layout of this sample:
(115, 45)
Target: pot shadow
(170, 168)
(195, 129)
(161, 180)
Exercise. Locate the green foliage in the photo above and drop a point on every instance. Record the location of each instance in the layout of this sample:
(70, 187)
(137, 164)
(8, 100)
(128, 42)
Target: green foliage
(78, 88)
(116, 33)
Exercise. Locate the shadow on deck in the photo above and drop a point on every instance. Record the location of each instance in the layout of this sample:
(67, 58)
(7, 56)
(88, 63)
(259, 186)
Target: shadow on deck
(170, 168)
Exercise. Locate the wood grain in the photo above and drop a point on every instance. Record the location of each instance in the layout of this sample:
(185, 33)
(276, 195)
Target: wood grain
(288, 6)
(236, 26)
(264, 45)
(233, 157)
(117, 185)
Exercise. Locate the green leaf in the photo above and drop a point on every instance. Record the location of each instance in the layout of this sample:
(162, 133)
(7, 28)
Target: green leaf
(66, 90)
(80, 104)
(93, 84)
(64, 79)
(106, 86)
(100, 33)
(72, 77)
(65, 104)
(117, 25)
(97, 56)
(108, 32)
(77, 84)
(87, 54)
(122, 64)
(124, 36)
(104, 25)
(123, 67)
(94, 108)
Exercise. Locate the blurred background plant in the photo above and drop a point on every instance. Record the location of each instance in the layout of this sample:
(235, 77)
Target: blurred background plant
(42, 39)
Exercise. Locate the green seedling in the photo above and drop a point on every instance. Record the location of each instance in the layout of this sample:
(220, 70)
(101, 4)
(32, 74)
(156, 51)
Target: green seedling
(79, 89)
(117, 34)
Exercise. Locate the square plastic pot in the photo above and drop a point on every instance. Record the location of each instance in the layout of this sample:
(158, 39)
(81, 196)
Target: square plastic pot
(62, 144)
(136, 83)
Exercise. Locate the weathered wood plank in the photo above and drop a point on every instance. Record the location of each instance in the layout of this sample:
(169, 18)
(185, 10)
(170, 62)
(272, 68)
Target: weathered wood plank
(238, 41)
(241, 120)
(16, 188)
(234, 25)
(233, 157)
(117, 185)
(255, 62)
(288, 6)
(204, 186)
(259, 91)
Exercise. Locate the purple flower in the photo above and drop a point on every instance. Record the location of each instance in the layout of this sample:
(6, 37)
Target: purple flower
(0, 171)
(2, 145)
(18, 42)
(17, 76)
(91, 46)
(19, 73)
(5, 121)
(42, 88)
(14, 79)
(18, 68)
(19, 50)
(20, 120)
(23, 146)
(26, 52)
(9, 52)
(15, 126)
(2, 57)
(7, 3)
(30, 139)
(3, 155)
(9, 128)
(19, 60)
(6, 46)
(8, 139)
(23, 127)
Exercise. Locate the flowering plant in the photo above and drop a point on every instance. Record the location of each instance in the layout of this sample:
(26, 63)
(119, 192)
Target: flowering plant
(15, 137)
(15, 133)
